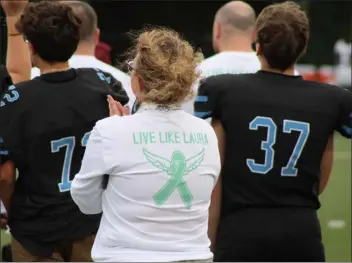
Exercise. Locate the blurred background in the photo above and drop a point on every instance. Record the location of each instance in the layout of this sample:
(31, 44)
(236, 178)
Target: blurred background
(328, 59)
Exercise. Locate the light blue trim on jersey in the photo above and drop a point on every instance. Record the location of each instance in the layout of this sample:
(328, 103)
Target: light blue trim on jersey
(203, 114)
(201, 99)
(347, 130)
(103, 78)
(4, 152)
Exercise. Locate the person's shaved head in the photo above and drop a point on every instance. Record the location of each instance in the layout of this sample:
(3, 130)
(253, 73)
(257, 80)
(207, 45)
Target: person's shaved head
(236, 15)
(88, 17)
(233, 27)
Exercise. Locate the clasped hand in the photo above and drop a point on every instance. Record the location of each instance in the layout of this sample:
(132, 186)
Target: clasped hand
(115, 108)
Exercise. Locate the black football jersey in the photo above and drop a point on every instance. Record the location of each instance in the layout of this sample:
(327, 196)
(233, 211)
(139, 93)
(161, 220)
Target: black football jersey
(276, 129)
(45, 125)
(5, 79)
(5, 83)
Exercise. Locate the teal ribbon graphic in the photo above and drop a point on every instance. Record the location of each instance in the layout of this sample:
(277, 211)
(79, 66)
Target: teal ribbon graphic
(177, 168)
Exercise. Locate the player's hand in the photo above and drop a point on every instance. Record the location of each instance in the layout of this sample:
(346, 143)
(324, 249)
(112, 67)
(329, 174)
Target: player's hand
(115, 108)
(13, 8)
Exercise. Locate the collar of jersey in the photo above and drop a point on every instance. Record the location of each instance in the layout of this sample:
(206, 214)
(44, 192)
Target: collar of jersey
(62, 76)
(264, 72)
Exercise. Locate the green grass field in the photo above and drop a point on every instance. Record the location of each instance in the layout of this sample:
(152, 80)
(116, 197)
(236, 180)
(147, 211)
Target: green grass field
(335, 214)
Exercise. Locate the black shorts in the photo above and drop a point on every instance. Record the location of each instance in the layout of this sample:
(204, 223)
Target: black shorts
(262, 235)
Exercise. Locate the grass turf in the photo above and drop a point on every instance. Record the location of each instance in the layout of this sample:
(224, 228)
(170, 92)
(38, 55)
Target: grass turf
(335, 213)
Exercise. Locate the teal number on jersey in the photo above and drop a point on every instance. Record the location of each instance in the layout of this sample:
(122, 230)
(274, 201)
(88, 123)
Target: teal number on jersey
(9, 98)
(69, 143)
(267, 146)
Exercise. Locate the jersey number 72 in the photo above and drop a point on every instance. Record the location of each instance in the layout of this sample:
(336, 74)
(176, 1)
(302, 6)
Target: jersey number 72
(69, 143)
(289, 125)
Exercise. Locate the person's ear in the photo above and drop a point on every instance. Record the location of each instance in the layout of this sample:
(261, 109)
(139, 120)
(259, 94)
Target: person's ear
(258, 49)
(217, 30)
(32, 49)
(254, 37)
(96, 36)
(254, 41)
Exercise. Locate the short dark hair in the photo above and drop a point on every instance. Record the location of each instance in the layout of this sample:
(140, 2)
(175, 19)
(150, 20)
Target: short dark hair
(283, 33)
(88, 17)
(52, 28)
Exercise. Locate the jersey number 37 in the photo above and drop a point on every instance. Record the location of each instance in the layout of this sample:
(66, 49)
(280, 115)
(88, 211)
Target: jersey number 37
(69, 143)
(267, 146)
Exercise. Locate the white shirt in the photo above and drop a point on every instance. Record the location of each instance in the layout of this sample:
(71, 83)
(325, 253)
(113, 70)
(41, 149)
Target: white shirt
(79, 61)
(142, 220)
(228, 62)
(343, 50)
(343, 67)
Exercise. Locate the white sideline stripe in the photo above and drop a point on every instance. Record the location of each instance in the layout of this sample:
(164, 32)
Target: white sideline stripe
(336, 224)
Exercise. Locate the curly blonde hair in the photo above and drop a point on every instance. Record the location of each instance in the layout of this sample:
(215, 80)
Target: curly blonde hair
(167, 65)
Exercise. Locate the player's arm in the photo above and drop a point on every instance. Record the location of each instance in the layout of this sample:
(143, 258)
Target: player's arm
(7, 167)
(215, 204)
(11, 112)
(18, 60)
(7, 177)
(326, 164)
(86, 187)
(5, 80)
(344, 121)
(214, 214)
(7, 182)
(207, 105)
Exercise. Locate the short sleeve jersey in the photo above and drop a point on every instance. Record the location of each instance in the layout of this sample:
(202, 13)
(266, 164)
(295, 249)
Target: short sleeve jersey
(45, 125)
(276, 130)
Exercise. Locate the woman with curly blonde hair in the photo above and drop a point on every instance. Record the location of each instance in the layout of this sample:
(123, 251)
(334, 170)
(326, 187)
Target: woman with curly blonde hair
(162, 162)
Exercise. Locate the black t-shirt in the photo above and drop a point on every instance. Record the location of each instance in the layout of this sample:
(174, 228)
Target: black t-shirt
(45, 124)
(276, 130)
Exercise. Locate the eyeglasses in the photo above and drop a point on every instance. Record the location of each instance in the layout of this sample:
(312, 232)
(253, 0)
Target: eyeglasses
(136, 106)
(130, 65)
